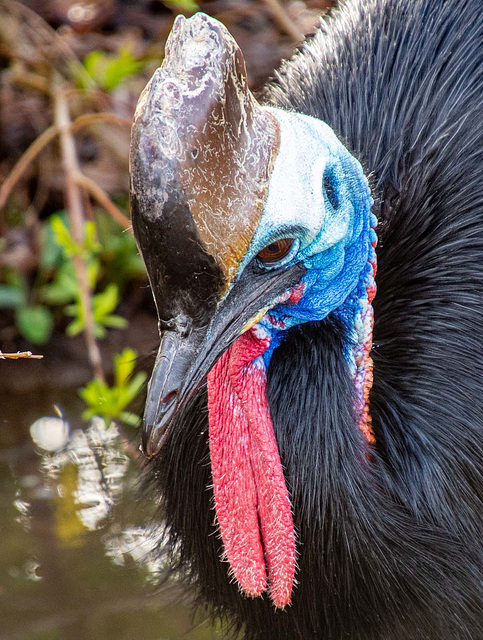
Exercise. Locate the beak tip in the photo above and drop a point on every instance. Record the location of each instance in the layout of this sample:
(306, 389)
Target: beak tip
(152, 439)
(148, 443)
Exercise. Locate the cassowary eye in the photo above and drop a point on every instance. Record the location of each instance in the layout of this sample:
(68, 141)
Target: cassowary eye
(331, 190)
(273, 253)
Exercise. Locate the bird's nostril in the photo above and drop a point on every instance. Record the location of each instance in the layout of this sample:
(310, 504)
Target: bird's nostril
(169, 398)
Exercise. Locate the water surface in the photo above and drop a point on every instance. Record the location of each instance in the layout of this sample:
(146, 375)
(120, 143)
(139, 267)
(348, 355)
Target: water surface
(77, 560)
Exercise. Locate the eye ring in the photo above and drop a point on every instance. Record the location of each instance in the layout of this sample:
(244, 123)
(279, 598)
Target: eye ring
(278, 253)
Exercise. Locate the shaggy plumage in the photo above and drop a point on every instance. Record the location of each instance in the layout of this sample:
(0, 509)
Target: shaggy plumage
(391, 544)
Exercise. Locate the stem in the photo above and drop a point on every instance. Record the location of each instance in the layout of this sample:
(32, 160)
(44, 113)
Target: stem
(104, 116)
(76, 215)
(102, 198)
(19, 355)
(29, 79)
(285, 22)
(43, 140)
(28, 156)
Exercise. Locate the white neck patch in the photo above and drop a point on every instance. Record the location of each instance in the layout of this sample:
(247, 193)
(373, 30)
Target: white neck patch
(295, 201)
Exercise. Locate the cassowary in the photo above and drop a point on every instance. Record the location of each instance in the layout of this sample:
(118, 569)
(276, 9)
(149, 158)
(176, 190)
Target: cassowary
(318, 447)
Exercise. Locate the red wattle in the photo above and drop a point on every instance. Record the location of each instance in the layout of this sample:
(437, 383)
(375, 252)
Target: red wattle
(248, 483)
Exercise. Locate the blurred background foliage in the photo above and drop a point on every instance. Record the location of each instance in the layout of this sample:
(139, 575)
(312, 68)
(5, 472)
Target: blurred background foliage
(72, 285)
(76, 553)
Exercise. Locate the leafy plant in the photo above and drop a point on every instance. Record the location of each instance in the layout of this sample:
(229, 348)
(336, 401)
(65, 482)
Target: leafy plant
(89, 246)
(110, 402)
(110, 71)
(112, 260)
(103, 304)
(119, 255)
(34, 321)
(65, 289)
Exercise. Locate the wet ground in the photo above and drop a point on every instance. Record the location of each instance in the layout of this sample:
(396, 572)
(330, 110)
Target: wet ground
(77, 559)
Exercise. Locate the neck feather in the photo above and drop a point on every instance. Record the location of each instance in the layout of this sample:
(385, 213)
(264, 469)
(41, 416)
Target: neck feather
(357, 314)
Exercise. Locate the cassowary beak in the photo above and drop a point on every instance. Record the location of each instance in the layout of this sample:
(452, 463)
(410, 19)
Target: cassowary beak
(186, 354)
(169, 374)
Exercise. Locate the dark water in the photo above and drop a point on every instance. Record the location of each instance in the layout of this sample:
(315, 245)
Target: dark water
(76, 558)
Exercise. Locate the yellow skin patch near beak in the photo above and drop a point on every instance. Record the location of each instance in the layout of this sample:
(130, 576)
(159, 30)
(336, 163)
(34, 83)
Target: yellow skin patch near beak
(253, 321)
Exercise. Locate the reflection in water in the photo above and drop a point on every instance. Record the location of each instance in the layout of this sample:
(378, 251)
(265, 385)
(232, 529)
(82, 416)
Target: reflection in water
(50, 434)
(78, 560)
(100, 470)
(141, 548)
(99, 465)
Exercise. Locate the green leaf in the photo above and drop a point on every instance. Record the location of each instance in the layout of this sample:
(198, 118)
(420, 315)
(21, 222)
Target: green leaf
(64, 288)
(35, 323)
(130, 418)
(123, 366)
(93, 62)
(62, 235)
(118, 69)
(91, 243)
(15, 279)
(105, 302)
(111, 402)
(93, 272)
(102, 305)
(96, 389)
(182, 5)
(75, 327)
(11, 296)
(110, 71)
(135, 386)
(51, 254)
(120, 256)
(99, 331)
(115, 322)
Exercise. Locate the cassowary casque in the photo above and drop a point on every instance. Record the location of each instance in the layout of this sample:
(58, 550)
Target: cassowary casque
(317, 447)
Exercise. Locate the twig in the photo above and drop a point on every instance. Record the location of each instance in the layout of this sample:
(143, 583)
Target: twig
(285, 22)
(104, 116)
(76, 216)
(46, 39)
(19, 355)
(27, 157)
(102, 198)
(43, 140)
(33, 80)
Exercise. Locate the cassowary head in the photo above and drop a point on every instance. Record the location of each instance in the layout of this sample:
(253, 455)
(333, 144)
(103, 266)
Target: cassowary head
(251, 220)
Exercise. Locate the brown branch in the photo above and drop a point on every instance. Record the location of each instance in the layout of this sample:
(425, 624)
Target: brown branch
(22, 164)
(49, 45)
(93, 118)
(285, 22)
(43, 140)
(76, 216)
(19, 355)
(19, 75)
(102, 198)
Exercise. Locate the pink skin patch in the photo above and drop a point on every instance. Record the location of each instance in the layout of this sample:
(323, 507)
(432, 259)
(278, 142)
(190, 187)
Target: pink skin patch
(251, 497)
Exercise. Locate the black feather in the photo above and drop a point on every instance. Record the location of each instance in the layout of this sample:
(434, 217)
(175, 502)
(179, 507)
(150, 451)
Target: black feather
(390, 544)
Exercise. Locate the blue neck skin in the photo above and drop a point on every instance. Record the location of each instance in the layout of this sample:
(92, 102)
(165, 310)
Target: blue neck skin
(339, 258)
